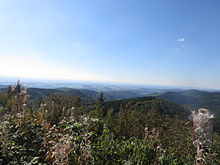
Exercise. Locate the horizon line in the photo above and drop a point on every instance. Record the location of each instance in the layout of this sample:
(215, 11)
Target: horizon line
(42, 80)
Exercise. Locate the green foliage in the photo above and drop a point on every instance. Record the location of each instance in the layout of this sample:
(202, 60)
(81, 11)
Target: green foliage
(144, 131)
(5, 103)
(129, 122)
(25, 139)
(214, 155)
(98, 107)
(21, 139)
(130, 117)
(111, 150)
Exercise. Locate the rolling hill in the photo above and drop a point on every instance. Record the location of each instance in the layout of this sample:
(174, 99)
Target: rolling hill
(194, 99)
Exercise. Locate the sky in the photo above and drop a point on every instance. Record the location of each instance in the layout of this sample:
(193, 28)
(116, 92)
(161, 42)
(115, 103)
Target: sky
(152, 42)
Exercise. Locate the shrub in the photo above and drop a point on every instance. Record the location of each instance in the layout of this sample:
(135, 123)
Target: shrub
(21, 139)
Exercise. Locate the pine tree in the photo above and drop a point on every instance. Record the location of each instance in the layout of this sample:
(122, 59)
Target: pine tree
(99, 105)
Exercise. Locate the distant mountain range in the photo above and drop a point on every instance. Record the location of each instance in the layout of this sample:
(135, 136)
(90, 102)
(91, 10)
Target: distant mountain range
(113, 91)
(90, 85)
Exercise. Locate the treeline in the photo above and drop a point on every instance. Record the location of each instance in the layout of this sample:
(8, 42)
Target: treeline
(65, 129)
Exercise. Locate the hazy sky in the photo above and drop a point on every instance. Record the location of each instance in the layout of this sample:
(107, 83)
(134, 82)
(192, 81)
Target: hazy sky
(161, 42)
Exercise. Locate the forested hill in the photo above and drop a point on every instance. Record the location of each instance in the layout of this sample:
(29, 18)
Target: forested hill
(38, 92)
(195, 99)
(147, 104)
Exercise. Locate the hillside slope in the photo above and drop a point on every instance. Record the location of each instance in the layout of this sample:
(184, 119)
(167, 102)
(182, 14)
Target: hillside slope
(147, 104)
(195, 99)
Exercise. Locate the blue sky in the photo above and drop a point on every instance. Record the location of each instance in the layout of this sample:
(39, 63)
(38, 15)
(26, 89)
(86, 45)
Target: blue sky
(157, 42)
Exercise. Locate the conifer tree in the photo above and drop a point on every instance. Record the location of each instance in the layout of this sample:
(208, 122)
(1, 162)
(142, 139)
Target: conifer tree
(99, 105)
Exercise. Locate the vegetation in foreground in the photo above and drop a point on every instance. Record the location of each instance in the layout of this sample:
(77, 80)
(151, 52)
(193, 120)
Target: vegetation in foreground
(65, 130)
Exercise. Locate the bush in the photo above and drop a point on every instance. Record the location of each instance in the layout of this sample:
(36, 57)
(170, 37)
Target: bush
(22, 139)
(25, 138)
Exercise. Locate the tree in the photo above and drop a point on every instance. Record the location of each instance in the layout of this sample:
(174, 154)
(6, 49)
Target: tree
(19, 97)
(99, 105)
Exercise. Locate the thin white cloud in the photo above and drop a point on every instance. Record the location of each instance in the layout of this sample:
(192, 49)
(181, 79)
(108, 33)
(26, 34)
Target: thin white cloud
(181, 39)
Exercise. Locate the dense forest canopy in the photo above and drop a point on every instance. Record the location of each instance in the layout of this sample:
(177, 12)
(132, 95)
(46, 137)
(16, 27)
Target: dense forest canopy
(69, 127)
